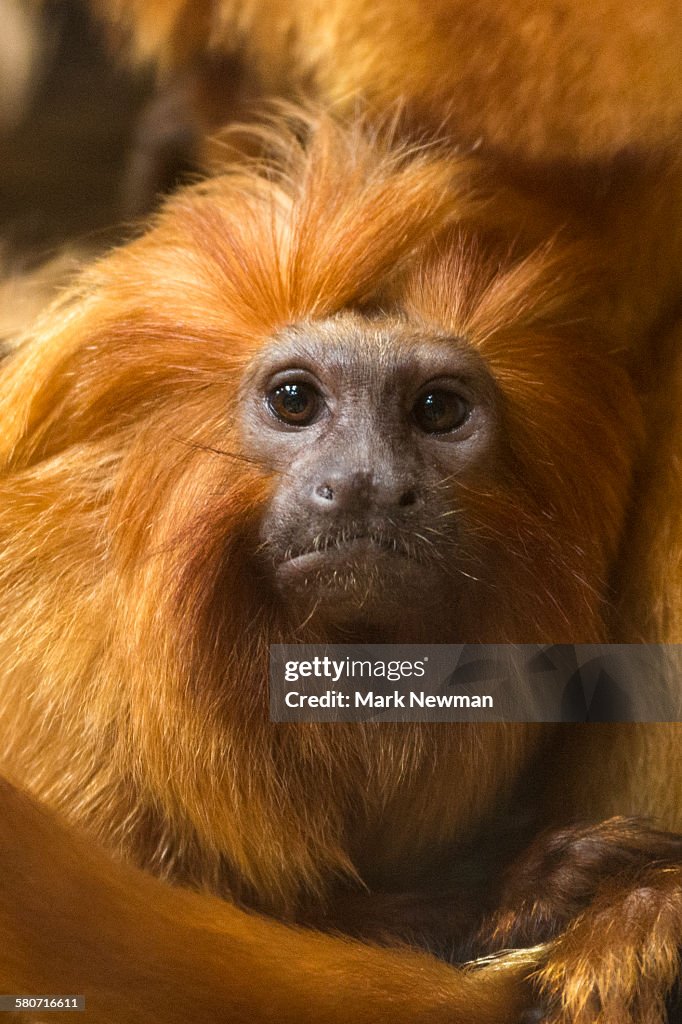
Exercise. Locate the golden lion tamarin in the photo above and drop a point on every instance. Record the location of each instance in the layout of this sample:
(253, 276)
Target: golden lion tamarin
(544, 81)
(347, 397)
(572, 97)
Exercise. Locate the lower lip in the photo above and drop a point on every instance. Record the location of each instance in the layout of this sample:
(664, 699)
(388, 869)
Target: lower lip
(359, 549)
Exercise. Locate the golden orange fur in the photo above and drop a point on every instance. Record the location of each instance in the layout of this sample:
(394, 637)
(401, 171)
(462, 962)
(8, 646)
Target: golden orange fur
(534, 79)
(134, 626)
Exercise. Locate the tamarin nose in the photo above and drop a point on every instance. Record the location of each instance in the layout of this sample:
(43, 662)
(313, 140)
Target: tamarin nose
(359, 490)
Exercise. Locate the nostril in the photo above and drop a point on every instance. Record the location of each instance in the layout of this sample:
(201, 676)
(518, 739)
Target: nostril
(325, 492)
(407, 498)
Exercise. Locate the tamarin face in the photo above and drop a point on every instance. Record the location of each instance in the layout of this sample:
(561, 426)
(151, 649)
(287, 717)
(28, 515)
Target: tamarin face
(328, 401)
(368, 426)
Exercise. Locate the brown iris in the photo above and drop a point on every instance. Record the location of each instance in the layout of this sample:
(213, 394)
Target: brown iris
(438, 411)
(296, 403)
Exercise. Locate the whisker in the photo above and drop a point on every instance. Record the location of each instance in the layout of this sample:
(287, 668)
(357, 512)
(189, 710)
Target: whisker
(213, 450)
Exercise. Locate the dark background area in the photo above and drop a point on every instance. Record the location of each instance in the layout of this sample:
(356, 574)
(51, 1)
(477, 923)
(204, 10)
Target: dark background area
(62, 166)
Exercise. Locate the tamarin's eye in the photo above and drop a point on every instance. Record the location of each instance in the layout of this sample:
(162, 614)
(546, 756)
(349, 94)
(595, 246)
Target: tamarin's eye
(296, 403)
(438, 411)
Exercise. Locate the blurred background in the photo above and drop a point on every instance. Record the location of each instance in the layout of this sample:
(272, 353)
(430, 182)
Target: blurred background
(68, 115)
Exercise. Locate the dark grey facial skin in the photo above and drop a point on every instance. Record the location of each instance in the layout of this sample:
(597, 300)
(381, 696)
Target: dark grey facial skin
(368, 426)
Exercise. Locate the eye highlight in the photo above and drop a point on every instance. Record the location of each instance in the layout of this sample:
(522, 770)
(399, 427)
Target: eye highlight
(296, 403)
(440, 410)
